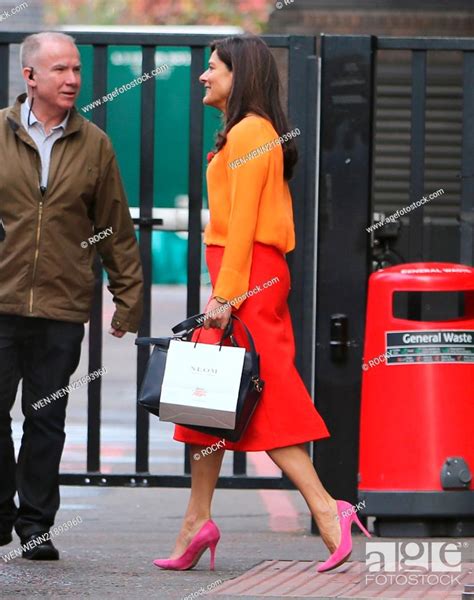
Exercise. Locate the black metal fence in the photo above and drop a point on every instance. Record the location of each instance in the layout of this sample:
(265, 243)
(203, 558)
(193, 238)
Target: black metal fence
(332, 192)
(301, 87)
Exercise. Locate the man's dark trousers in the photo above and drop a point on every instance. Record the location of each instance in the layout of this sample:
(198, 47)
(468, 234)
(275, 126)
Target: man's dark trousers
(43, 353)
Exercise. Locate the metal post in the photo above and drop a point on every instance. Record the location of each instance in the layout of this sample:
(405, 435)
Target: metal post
(147, 158)
(95, 326)
(302, 85)
(467, 190)
(343, 252)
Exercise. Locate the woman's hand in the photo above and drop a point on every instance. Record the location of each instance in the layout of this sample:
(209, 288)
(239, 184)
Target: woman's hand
(217, 315)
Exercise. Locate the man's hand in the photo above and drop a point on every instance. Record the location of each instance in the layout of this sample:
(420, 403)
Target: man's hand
(217, 315)
(117, 332)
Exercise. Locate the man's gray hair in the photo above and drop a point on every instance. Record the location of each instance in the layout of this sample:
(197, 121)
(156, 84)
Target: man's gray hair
(32, 44)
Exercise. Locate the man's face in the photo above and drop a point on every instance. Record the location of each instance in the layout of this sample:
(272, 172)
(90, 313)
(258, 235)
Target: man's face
(57, 74)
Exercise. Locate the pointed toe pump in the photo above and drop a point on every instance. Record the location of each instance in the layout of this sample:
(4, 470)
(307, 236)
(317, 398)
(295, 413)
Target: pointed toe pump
(344, 550)
(206, 537)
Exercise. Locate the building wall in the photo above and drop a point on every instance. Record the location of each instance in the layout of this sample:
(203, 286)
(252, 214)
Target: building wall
(376, 17)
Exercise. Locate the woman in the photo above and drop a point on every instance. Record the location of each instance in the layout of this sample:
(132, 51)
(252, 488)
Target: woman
(250, 231)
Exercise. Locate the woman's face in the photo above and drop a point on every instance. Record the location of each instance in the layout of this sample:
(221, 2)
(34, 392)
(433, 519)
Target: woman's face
(218, 83)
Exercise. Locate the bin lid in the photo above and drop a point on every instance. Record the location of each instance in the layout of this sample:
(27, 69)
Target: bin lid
(427, 275)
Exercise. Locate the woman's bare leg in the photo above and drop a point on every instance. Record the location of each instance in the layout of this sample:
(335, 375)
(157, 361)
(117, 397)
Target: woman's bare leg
(296, 463)
(204, 476)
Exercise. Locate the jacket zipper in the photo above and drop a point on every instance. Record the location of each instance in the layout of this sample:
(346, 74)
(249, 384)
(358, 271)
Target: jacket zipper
(38, 231)
(40, 215)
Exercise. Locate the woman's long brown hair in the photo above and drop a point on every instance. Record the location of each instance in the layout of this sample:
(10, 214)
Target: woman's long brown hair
(255, 88)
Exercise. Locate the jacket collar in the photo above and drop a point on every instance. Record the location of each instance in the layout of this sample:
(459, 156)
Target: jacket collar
(74, 124)
(25, 109)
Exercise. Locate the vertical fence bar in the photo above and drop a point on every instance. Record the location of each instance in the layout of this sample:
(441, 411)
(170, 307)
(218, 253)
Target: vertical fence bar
(195, 181)
(239, 465)
(147, 157)
(302, 107)
(195, 194)
(311, 174)
(347, 78)
(416, 237)
(301, 113)
(311, 234)
(99, 117)
(467, 185)
(417, 169)
(4, 67)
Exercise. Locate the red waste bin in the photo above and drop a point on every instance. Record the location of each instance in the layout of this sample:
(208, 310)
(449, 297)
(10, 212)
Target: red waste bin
(417, 414)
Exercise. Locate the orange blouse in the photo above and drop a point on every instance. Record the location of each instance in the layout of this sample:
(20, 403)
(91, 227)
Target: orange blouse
(249, 202)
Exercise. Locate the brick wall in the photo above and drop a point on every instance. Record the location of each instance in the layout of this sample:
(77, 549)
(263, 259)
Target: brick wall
(302, 17)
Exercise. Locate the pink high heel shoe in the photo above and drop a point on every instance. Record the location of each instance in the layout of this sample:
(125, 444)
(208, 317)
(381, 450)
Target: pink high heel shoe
(344, 550)
(206, 537)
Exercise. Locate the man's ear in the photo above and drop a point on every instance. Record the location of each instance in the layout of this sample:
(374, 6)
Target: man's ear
(29, 75)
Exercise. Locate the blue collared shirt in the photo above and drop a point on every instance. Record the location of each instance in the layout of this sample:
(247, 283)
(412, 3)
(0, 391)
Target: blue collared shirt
(44, 142)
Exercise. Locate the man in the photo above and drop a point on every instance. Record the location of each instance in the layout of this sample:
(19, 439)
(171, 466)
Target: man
(59, 186)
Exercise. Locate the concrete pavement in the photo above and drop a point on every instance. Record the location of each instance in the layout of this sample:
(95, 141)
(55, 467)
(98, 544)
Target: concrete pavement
(110, 554)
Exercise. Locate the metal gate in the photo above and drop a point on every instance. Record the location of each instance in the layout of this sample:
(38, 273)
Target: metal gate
(301, 91)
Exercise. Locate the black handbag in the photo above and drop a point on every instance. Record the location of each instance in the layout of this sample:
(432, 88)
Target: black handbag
(250, 389)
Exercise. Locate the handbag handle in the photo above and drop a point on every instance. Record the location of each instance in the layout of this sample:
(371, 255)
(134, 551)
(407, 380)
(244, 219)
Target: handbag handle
(189, 323)
(228, 332)
(198, 320)
(146, 341)
(253, 351)
(185, 328)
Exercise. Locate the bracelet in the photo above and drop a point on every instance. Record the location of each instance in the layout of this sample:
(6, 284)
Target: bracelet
(220, 300)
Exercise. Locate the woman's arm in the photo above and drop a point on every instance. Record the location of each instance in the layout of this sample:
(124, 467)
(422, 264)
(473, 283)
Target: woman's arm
(246, 182)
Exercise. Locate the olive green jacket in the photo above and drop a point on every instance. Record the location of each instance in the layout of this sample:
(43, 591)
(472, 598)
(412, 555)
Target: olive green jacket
(46, 260)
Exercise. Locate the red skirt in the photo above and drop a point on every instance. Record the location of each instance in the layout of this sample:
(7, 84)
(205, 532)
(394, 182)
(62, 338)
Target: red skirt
(285, 415)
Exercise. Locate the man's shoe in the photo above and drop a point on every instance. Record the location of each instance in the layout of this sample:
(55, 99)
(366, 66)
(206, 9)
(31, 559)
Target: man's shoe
(5, 538)
(38, 549)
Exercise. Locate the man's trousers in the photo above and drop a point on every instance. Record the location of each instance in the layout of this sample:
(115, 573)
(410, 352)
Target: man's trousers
(43, 353)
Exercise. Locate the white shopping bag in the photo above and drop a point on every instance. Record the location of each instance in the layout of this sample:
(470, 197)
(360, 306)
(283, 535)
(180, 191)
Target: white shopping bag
(201, 384)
